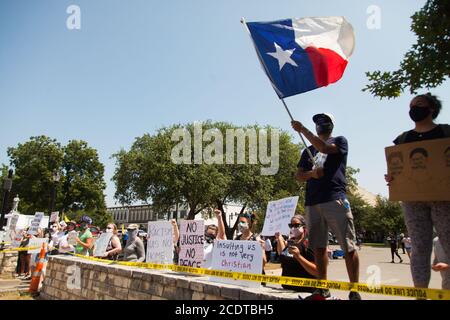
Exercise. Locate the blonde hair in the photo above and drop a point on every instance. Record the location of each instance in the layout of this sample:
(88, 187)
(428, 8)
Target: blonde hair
(115, 230)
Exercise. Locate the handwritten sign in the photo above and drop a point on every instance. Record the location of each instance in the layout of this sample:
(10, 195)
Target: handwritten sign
(54, 217)
(237, 256)
(192, 237)
(278, 216)
(71, 237)
(35, 223)
(101, 244)
(13, 221)
(36, 242)
(160, 242)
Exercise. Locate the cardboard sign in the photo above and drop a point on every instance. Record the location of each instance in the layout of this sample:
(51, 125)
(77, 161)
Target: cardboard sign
(192, 237)
(13, 221)
(35, 223)
(421, 171)
(101, 243)
(54, 217)
(160, 242)
(278, 216)
(36, 242)
(238, 256)
(71, 238)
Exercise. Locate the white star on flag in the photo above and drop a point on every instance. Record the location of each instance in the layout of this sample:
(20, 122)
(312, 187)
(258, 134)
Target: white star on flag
(283, 56)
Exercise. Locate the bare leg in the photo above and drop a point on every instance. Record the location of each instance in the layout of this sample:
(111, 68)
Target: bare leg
(352, 264)
(321, 259)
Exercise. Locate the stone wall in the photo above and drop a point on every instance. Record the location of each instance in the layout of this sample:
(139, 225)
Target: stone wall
(73, 278)
(8, 263)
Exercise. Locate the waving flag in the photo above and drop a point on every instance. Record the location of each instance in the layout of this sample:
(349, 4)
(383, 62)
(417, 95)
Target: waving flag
(300, 55)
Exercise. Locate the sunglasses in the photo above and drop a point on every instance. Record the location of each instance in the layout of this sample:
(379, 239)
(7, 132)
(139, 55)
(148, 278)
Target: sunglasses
(294, 225)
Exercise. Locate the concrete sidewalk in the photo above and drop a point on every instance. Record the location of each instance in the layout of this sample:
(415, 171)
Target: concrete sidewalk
(374, 262)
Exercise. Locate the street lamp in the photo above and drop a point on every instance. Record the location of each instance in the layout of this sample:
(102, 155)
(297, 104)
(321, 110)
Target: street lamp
(230, 217)
(7, 185)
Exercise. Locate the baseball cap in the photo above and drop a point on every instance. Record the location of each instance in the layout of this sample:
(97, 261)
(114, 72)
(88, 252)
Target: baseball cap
(321, 116)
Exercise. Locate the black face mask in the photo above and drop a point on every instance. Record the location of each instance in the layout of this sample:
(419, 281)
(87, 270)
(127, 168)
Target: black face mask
(323, 128)
(417, 113)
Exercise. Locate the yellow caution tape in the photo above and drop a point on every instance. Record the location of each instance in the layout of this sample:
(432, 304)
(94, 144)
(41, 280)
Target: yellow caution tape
(19, 249)
(399, 291)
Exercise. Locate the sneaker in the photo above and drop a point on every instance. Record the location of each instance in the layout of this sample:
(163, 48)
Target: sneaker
(354, 296)
(392, 261)
(319, 294)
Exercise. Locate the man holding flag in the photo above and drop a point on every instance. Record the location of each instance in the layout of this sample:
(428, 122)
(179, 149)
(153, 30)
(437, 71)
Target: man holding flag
(326, 204)
(299, 55)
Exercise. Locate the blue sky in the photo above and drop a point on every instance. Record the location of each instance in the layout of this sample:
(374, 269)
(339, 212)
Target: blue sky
(138, 65)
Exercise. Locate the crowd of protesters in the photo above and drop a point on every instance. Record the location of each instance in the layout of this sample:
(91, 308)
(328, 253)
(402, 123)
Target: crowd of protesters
(304, 252)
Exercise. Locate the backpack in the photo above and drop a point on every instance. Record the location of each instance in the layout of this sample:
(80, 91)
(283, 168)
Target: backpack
(445, 127)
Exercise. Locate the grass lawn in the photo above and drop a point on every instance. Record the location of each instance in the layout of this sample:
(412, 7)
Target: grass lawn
(375, 245)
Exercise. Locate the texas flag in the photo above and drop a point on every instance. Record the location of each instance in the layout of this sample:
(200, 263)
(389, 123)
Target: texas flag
(300, 55)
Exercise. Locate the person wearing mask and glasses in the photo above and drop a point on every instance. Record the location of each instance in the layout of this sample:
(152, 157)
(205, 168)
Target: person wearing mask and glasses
(297, 260)
(114, 246)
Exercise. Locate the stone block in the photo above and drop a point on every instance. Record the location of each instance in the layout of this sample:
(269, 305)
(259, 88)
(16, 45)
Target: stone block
(229, 292)
(183, 283)
(211, 289)
(139, 296)
(196, 286)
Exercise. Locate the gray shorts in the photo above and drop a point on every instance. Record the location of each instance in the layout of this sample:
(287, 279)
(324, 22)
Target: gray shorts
(335, 215)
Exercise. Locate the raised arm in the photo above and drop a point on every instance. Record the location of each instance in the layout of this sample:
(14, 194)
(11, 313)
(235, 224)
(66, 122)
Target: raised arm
(221, 235)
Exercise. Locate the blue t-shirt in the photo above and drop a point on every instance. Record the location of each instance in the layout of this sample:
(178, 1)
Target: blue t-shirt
(332, 186)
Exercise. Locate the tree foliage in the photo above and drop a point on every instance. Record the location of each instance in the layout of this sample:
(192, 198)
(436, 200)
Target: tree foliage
(81, 184)
(427, 64)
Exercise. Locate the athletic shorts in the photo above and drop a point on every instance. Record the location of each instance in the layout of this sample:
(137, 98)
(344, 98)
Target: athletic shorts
(335, 215)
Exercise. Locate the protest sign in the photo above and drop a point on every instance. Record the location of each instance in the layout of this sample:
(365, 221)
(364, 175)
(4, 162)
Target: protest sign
(192, 237)
(54, 217)
(420, 171)
(13, 221)
(36, 242)
(237, 256)
(71, 237)
(160, 242)
(278, 216)
(101, 243)
(35, 223)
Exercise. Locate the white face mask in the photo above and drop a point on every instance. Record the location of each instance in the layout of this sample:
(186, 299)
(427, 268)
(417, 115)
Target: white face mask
(296, 233)
(109, 230)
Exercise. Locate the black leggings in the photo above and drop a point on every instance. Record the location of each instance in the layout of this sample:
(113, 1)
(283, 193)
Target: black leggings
(396, 253)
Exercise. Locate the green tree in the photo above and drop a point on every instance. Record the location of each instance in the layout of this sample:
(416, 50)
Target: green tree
(81, 185)
(427, 64)
(146, 173)
(34, 163)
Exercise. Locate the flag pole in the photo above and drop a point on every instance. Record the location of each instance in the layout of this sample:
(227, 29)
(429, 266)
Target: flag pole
(284, 103)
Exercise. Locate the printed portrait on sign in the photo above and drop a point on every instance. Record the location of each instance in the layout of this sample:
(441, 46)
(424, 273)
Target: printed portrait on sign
(420, 176)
